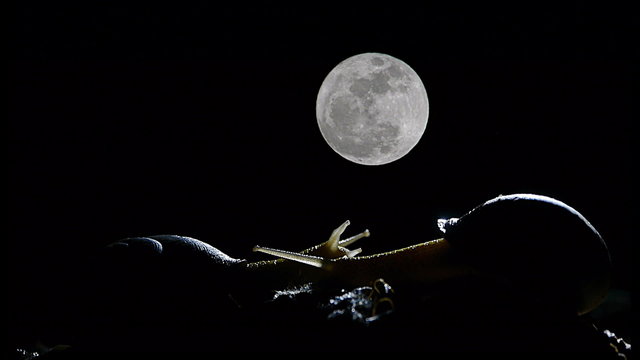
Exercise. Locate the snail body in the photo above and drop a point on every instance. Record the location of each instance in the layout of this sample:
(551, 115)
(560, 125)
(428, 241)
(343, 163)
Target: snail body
(427, 263)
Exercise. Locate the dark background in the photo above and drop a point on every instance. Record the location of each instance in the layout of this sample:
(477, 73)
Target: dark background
(199, 120)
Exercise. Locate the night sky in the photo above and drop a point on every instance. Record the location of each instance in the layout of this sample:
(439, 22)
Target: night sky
(199, 120)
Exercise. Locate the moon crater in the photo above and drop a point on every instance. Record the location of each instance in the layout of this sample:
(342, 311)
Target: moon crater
(372, 109)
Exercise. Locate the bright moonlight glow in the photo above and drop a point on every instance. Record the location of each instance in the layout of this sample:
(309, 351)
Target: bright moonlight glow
(372, 109)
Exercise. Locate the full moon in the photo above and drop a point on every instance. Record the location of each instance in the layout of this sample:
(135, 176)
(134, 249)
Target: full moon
(372, 109)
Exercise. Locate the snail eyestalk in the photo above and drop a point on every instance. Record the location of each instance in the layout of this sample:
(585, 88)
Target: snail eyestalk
(353, 239)
(289, 255)
(334, 240)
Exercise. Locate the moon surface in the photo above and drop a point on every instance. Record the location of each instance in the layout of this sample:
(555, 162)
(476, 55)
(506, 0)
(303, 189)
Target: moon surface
(372, 109)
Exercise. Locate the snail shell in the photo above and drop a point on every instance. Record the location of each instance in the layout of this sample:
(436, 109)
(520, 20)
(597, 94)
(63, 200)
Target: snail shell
(538, 243)
(164, 278)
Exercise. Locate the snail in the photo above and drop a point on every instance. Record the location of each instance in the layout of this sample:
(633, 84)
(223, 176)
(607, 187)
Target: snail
(528, 241)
